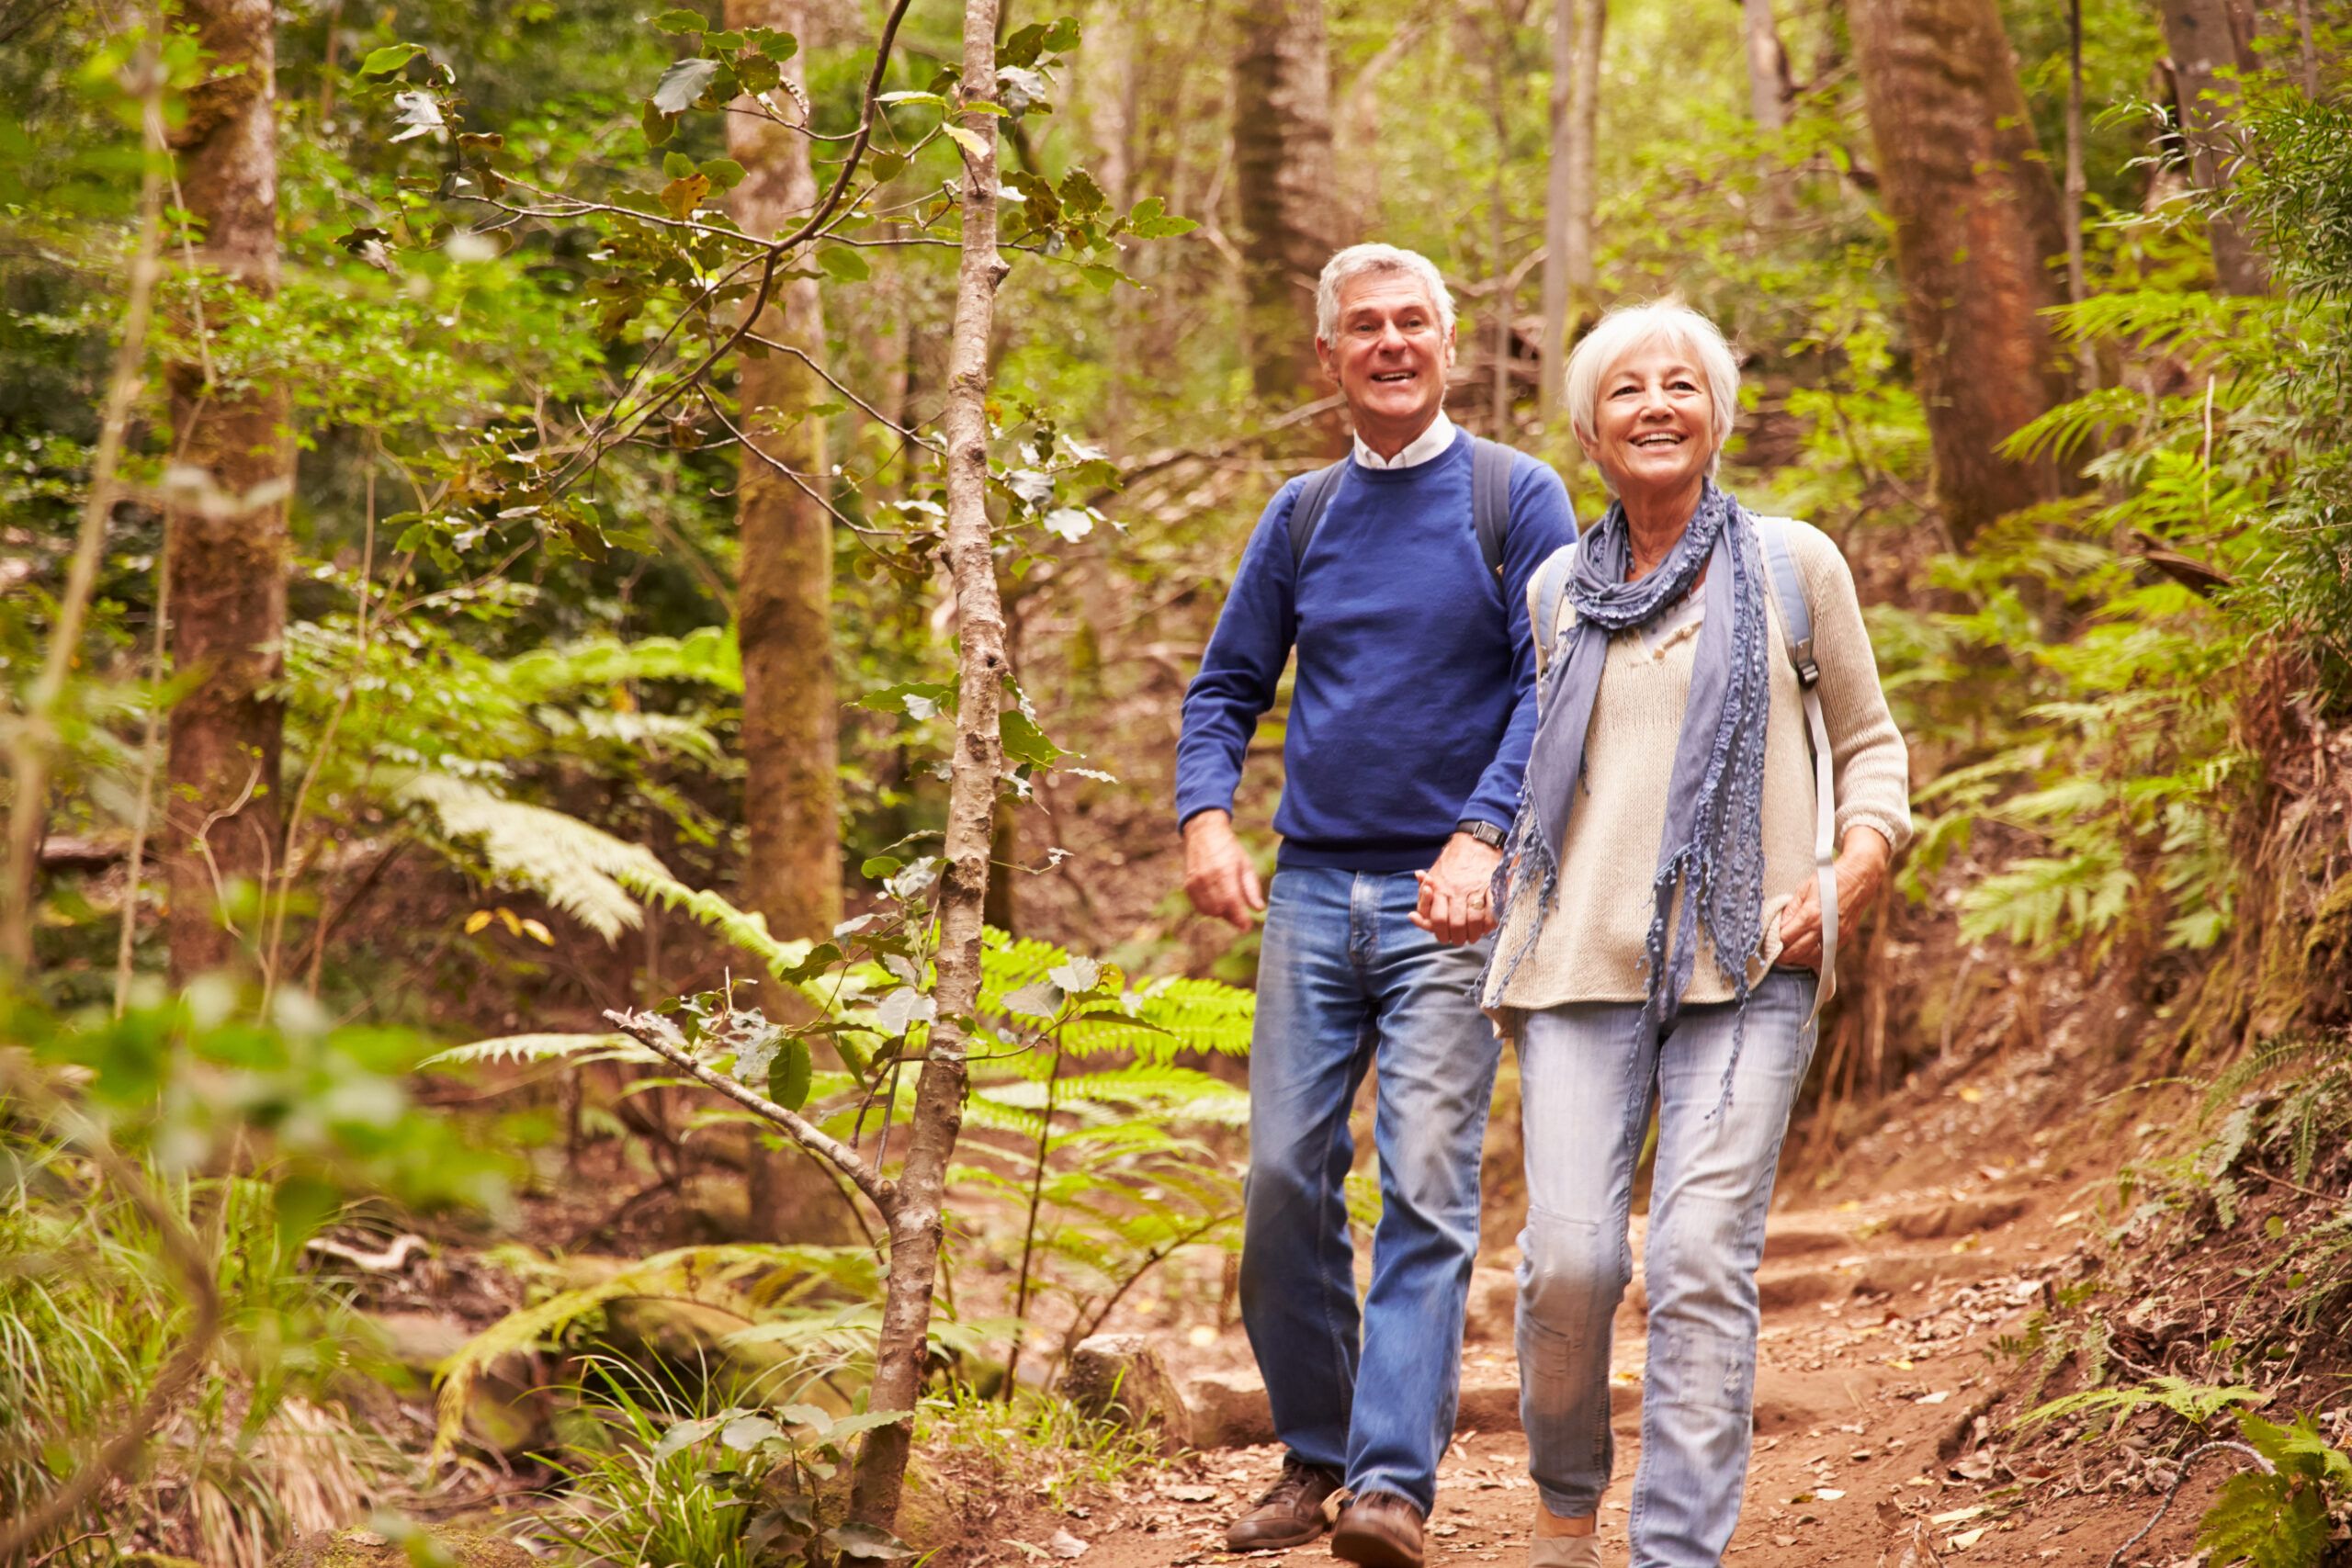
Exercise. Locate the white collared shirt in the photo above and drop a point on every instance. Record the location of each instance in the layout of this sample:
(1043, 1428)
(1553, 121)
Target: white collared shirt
(1429, 444)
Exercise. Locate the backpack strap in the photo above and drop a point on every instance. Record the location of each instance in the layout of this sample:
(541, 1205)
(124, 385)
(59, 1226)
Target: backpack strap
(1491, 498)
(1314, 497)
(1544, 591)
(1796, 633)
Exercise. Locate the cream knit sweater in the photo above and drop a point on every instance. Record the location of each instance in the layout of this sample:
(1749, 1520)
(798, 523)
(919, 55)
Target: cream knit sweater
(1590, 947)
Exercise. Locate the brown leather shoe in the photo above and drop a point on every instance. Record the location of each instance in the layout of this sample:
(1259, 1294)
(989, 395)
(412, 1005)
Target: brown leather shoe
(1379, 1529)
(1291, 1512)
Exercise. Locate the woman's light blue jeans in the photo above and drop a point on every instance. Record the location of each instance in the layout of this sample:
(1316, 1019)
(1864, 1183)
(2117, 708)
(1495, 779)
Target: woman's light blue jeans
(1345, 979)
(1587, 1077)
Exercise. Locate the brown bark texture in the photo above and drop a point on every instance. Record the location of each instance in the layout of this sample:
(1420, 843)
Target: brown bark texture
(2209, 56)
(1578, 27)
(784, 604)
(1282, 173)
(228, 549)
(1768, 87)
(978, 760)
(1976, 227)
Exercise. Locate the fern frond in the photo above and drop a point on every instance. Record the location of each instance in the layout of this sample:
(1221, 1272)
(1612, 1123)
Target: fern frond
(581, 1048)
(578, 868)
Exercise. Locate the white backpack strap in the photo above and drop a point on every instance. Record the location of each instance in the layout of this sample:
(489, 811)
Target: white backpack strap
(1796, 630)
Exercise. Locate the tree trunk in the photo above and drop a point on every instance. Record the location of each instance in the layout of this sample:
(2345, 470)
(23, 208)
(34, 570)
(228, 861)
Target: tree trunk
(1576, 30)
(1768, 91)
(1976, 224)
(2203, 46)
(791, 748)
(1283, 172)
(228, 550)
(1499, 216)
(1768, 87)
(915, 1224)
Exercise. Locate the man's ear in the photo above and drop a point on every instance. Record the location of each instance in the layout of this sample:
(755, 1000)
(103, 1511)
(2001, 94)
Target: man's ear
(1323, 357)
(1449, 348)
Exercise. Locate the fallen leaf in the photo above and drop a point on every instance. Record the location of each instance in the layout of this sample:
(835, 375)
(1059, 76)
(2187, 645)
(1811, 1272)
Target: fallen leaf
(1190, 1494)
(1829, 1493)
(1955, 1515)
(1936, 1398)
(1065, 1544)
(1965, 1539)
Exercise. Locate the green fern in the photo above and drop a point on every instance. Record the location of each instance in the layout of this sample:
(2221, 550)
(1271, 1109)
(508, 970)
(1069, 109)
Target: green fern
(2279, 1518)
(2192, 1402)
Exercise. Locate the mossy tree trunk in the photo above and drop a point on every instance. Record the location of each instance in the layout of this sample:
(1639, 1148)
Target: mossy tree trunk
(1284, 175)
(227, 526)
(1976, 227)
(2208, 58)
(1578, 26)
(791, 715)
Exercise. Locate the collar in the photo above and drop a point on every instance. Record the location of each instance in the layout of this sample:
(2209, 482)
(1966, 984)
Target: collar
(1431, 442)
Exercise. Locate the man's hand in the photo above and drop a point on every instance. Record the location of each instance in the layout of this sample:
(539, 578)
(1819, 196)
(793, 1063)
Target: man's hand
(1454, 892)
(1860, 871)
(1218, 878)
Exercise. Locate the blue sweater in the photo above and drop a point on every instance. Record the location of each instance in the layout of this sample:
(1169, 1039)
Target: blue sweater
(1415, 700)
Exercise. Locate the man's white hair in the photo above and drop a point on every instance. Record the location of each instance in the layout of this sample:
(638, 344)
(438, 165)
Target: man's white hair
(1631, 328)
(1363, 260)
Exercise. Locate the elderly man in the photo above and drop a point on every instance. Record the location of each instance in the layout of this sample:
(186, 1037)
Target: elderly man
(1394, 574)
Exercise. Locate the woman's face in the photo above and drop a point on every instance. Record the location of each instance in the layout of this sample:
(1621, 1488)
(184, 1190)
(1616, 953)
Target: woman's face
(1653, 423)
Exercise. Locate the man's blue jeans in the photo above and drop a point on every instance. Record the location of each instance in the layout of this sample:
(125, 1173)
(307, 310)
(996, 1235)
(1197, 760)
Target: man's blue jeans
(1346, 980)
(1587, 1075)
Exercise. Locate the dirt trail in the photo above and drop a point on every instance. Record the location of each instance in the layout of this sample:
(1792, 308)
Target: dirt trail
(1876, 1373)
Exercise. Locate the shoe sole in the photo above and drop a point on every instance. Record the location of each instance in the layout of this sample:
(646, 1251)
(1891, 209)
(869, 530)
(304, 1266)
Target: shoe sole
(1275, 1544)
(1370, 1551)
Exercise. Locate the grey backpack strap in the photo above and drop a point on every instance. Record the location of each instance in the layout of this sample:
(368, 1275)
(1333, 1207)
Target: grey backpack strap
(1491, 498)
(1796, 631)
(1545, 594)
(1307, 510)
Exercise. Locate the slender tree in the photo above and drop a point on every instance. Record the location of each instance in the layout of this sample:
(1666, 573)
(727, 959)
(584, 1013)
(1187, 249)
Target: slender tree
(1576, 31)
(1282, 173)
(915, 1210)
(2208, 57)
(232, 459)
(1768, 91)
(1977, 230)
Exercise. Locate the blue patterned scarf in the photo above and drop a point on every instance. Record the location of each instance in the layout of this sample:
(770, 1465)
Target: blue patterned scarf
(1714, 843)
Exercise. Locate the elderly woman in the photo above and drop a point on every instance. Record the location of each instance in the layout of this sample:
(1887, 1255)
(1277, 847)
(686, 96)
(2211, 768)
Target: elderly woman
(1662, 926)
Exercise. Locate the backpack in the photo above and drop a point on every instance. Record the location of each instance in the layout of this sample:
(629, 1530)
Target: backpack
(1489, 501)
(1787, 588)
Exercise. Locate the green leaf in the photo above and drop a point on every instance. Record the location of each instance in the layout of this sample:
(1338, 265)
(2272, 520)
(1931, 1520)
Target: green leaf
(970, 141)
(677, 166)
(681, 84)
(888, 165)
(747, 1432)
(789, 1078)
(880, 866)
(724, 174)
(1150, 219)
(681, 21)
(1024, 741)
(934, 99)
(773, 43)
(756, 73)
(1080, 195)
(390, 57)
(843, 264)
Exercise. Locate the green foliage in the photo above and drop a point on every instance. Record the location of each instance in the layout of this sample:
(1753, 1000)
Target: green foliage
(2281, 1516)
(740, 1487)
(2193, 1403)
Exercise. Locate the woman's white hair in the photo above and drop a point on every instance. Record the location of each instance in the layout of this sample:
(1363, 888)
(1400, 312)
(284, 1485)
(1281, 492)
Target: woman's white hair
(1361, 260)
(1631, 328)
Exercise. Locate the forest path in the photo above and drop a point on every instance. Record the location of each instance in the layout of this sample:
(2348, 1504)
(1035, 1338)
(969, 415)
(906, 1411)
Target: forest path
(1876, 1371)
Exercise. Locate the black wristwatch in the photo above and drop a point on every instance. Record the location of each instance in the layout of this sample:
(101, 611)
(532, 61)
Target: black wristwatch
(1485, 833)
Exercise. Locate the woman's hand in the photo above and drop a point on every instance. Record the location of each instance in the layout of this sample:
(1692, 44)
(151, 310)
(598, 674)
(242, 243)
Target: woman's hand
(1860, 871)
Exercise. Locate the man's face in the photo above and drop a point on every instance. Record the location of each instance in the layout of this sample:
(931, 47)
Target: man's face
(1391, 355)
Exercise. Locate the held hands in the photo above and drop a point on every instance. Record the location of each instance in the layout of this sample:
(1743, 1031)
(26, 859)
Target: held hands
(1454, 892)
(1860, 871)
(1218, 878)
